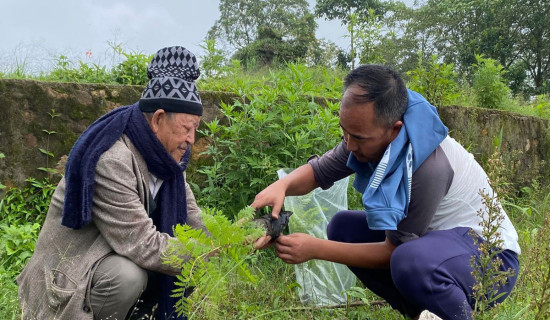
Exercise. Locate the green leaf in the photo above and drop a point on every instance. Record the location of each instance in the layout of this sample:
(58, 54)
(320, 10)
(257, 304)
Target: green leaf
(46, 152)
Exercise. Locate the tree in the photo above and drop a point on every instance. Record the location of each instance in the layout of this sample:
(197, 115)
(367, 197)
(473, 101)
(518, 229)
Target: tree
(460, 29)
(264, 30)
(533, 46)
(377, 31)
(515, 33)
(341, 10)
(365, 35)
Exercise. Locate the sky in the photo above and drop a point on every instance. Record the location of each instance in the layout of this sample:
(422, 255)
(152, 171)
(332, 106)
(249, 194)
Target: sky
(36, 32)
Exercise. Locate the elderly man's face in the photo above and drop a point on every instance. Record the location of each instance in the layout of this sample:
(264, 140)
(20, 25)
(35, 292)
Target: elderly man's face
(176, 132)
(365, 137)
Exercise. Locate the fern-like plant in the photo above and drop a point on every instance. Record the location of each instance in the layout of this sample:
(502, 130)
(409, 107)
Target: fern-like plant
(210, 261)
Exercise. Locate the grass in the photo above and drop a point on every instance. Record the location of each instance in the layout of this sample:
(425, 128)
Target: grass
(9, 307)
(275, 295)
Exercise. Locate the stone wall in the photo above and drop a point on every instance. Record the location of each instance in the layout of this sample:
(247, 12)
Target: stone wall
(525, 143)
(28, 117)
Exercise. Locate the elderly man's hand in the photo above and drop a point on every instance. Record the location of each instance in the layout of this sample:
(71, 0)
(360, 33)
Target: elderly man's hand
(262, 242)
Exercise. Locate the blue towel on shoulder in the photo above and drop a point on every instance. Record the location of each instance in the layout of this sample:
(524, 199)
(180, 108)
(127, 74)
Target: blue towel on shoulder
(386, 186)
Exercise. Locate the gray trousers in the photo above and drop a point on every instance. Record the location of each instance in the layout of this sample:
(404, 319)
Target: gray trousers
(117, 284)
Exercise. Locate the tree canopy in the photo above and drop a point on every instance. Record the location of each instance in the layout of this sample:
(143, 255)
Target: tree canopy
(515, 33)
(266, 30)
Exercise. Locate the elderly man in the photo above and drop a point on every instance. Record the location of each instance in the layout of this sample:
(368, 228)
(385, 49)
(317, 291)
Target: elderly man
(412, 245)
(111, 217)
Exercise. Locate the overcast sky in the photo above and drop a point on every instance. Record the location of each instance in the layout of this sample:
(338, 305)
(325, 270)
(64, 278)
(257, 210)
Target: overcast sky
(35, 32)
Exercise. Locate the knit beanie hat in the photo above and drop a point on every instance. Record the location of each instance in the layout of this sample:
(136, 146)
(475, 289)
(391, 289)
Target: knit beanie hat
(173, 72)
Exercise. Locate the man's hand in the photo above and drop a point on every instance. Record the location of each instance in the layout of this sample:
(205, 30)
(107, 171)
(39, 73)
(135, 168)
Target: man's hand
(262, 242)
(296, 248)
(273, 195)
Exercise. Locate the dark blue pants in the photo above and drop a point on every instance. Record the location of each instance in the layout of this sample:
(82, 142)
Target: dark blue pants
(431, 273)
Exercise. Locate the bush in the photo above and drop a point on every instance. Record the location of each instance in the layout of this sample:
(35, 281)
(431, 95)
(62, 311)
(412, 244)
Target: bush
(28, 204)
(133, 70)
(64, 71)
(17, 246)
(22, 213)
(542, 106)
(280, 127)
(489, 87)
(213, 61)
(435, 81)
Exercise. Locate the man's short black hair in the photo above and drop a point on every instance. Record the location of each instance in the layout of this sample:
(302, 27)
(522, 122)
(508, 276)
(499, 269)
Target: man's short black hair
(383, 86)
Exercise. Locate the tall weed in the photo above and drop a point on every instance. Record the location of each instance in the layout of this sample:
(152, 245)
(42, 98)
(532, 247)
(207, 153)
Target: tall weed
(435, 81)
(488, 272)
(489, 86)
(132, 70)
(537, 271)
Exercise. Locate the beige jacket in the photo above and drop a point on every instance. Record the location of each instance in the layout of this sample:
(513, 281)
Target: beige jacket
(55, 284)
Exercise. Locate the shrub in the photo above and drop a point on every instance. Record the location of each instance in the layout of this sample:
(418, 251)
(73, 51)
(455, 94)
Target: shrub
(489, 87)
(435, 81)
(17, 245)
(213, 61)
(214, 261)
(28, 204)
(133, 70)
(279, 128)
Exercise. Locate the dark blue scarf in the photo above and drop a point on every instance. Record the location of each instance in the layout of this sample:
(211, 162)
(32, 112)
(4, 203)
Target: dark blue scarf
(79, 179)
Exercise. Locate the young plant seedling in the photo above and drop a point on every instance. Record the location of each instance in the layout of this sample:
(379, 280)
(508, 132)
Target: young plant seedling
(274, 227)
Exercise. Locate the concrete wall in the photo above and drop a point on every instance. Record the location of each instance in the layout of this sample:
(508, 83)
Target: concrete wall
(28, 106)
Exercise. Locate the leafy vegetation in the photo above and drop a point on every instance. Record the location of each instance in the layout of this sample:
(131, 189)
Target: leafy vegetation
(488, 84)
(435, 81)
(22, 213)
(280, 128)
(212, 261)
(280, 118)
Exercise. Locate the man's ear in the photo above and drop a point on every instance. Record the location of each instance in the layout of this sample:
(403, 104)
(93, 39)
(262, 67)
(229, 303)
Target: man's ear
(396, 127)
(158, 118)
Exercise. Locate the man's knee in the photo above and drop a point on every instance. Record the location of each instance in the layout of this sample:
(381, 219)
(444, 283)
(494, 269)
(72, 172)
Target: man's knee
(408, 269)
(336, 226)
(116, 285)
(122, 273)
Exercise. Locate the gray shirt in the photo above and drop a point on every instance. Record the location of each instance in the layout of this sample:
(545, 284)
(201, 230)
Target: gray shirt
(430, 183)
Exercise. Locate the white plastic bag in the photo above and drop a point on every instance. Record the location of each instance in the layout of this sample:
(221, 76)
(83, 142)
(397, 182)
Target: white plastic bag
(322, 282)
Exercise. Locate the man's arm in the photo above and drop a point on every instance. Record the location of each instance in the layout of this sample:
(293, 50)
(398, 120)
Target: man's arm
(319, 172)
(299, 182)
(300, 247)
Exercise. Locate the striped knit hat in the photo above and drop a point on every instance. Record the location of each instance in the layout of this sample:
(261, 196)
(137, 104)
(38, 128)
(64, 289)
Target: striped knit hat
(173, 72)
